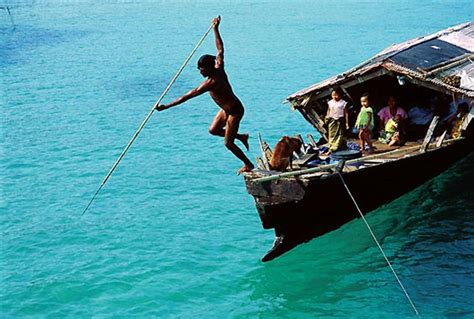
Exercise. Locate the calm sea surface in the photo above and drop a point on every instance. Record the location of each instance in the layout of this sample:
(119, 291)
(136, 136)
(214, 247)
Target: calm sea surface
(174, 232)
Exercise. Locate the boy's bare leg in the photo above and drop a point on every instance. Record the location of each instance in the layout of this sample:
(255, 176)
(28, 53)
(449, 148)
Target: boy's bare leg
(368, 140)
(244, 139)
(232, 127)
(361, 140)
(217, 128)
(217, 125)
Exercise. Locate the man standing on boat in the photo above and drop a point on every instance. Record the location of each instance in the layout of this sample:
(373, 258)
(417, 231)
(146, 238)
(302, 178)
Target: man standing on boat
(227, 120)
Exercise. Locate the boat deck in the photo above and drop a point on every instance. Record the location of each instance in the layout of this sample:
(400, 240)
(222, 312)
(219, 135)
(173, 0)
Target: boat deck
(382, 148)
(382, 154)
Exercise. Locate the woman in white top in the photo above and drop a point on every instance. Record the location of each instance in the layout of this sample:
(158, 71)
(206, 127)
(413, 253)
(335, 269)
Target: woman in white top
(335, 116)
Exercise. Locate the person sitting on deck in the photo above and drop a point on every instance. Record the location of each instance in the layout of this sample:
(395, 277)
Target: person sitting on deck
(227, 120)
(336, 117)
(393, 132)
(457, 119)
(390, 111)
(365, 123)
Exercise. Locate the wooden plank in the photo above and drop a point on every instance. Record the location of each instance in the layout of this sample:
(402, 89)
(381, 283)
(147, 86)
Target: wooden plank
(348, 95)
(260, 164)
(266, 152)
(317, 121)
(467, 119)
(441, 138)
(429, 134)
(298, 136)
(312, 141)
(312, 121)
(314, 116)
(450, 64)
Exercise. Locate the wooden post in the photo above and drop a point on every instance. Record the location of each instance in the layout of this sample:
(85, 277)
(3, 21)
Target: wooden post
(467, 119)
(266, 152)
(441, 138)
(429, 134)
(312, 141)
(260, 163)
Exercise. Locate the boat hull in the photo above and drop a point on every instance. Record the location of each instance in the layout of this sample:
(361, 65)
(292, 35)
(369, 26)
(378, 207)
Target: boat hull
(322, 204)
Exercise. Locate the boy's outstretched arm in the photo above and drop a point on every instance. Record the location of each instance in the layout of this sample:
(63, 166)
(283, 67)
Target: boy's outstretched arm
(219, 43)
(204, 87)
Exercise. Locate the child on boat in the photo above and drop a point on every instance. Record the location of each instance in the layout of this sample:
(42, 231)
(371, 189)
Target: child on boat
(392, 133)
(337, 119)
(365, 123)
(457, 119)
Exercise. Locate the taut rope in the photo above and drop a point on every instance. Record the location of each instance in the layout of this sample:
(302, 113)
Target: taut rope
(378, 244)
(148, 117)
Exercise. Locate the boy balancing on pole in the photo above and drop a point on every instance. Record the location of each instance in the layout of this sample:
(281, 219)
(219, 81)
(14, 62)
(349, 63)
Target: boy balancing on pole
(227, 120)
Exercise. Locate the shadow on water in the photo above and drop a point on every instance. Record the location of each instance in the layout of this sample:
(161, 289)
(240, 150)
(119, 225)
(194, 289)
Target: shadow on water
(424, 233)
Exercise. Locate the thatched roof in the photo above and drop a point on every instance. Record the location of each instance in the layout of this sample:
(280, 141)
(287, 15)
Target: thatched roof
(433, 60)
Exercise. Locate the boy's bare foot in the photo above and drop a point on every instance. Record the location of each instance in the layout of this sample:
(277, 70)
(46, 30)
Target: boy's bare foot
(245, 168)
(245, 140)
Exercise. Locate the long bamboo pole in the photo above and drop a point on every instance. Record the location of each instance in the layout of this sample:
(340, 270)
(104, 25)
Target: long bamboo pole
(147, 118)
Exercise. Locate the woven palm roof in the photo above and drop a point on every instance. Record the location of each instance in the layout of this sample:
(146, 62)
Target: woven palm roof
(430, 59)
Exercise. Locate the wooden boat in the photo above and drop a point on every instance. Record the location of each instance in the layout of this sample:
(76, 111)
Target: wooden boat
(307, 202)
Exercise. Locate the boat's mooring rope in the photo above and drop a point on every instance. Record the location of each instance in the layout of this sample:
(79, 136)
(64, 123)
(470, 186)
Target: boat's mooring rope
(378, 244)
(148, 117)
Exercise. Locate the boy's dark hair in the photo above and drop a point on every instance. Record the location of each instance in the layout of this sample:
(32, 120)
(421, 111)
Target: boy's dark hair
(367, 95)
(206, 62)
(463, 107)
(338, 90)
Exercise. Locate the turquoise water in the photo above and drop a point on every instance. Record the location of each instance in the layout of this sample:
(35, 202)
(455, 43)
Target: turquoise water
(174, 232)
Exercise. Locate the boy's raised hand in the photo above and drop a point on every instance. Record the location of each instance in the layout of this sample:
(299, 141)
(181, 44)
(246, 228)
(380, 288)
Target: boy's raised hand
(216, 21)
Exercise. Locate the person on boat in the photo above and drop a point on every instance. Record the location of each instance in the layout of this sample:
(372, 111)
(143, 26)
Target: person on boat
(227, 120)
(337, 119)
(365, 123)
(390, 111)
(457, 119)
(453, 108)
(393, 134)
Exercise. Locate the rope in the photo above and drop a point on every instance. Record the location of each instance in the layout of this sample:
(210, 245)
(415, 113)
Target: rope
(378, 244)
(148, 117)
